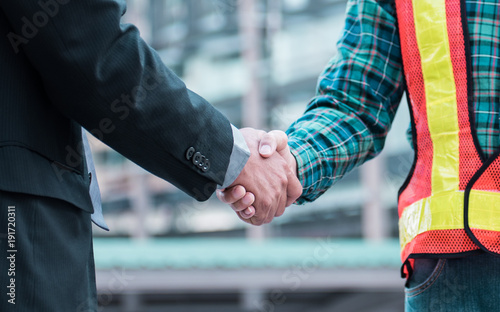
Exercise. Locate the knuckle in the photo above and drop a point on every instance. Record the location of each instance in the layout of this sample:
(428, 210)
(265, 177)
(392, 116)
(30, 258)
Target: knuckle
(283, 181)
(297, 194)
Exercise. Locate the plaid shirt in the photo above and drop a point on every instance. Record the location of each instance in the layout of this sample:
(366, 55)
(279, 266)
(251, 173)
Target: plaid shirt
(359, 91)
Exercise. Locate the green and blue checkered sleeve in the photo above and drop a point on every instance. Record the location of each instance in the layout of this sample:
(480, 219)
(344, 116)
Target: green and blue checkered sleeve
(347, 122)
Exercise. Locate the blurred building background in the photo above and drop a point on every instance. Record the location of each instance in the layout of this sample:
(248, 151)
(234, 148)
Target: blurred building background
(258, 62)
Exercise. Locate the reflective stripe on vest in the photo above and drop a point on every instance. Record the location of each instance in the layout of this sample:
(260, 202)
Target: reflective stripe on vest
(438, 211)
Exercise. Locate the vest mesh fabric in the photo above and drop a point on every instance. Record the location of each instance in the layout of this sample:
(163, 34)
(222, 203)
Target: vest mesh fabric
(419, 186)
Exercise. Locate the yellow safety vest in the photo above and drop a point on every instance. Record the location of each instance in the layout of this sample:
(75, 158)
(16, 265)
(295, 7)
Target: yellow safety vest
(450, 202)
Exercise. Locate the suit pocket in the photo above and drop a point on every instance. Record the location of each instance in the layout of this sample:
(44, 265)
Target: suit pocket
(25, 171)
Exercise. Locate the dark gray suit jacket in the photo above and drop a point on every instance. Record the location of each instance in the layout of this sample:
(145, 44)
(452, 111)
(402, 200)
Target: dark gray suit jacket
(66, 63)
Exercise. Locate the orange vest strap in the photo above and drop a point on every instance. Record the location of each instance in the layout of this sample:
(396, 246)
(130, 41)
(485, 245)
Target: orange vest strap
(448, 204)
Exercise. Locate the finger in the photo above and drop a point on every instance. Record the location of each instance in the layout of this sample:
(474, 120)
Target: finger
(259, 216)
(294, 188)
(231, 195)
(243, 203)
(281, 139)
(280, 208)
(272, 141)
(267, 145)
(247, 213)
(244, 219)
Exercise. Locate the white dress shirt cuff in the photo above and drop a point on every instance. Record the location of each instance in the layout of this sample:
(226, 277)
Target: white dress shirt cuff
(239, 157)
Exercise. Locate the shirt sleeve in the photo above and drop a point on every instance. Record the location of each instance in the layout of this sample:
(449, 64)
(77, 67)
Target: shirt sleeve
(358, 93)
(238, 159)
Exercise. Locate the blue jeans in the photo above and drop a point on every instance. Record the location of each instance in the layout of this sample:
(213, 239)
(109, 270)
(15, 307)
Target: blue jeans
(468, 284)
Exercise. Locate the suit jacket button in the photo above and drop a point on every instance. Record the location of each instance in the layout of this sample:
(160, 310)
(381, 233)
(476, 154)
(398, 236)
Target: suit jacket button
(190, 153)
(202, 161)
(206, 165)
(196, 158)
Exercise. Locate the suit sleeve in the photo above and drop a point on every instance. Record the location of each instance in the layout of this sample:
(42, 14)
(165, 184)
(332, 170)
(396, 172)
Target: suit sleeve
(101, 74)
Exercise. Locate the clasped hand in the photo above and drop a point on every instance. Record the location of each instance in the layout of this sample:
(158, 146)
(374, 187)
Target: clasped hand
(268, 183)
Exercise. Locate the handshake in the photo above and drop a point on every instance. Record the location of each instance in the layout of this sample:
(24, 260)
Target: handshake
(268, 183)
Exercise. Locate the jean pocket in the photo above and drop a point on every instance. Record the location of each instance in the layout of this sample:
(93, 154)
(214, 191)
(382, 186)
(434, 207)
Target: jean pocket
(425, 273)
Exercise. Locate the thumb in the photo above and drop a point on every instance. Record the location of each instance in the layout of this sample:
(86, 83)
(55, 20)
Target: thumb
(272, 141)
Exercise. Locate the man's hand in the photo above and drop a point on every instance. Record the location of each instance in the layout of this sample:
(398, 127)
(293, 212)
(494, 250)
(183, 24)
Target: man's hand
(240, 200)
(270, 176)
(278, 141)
